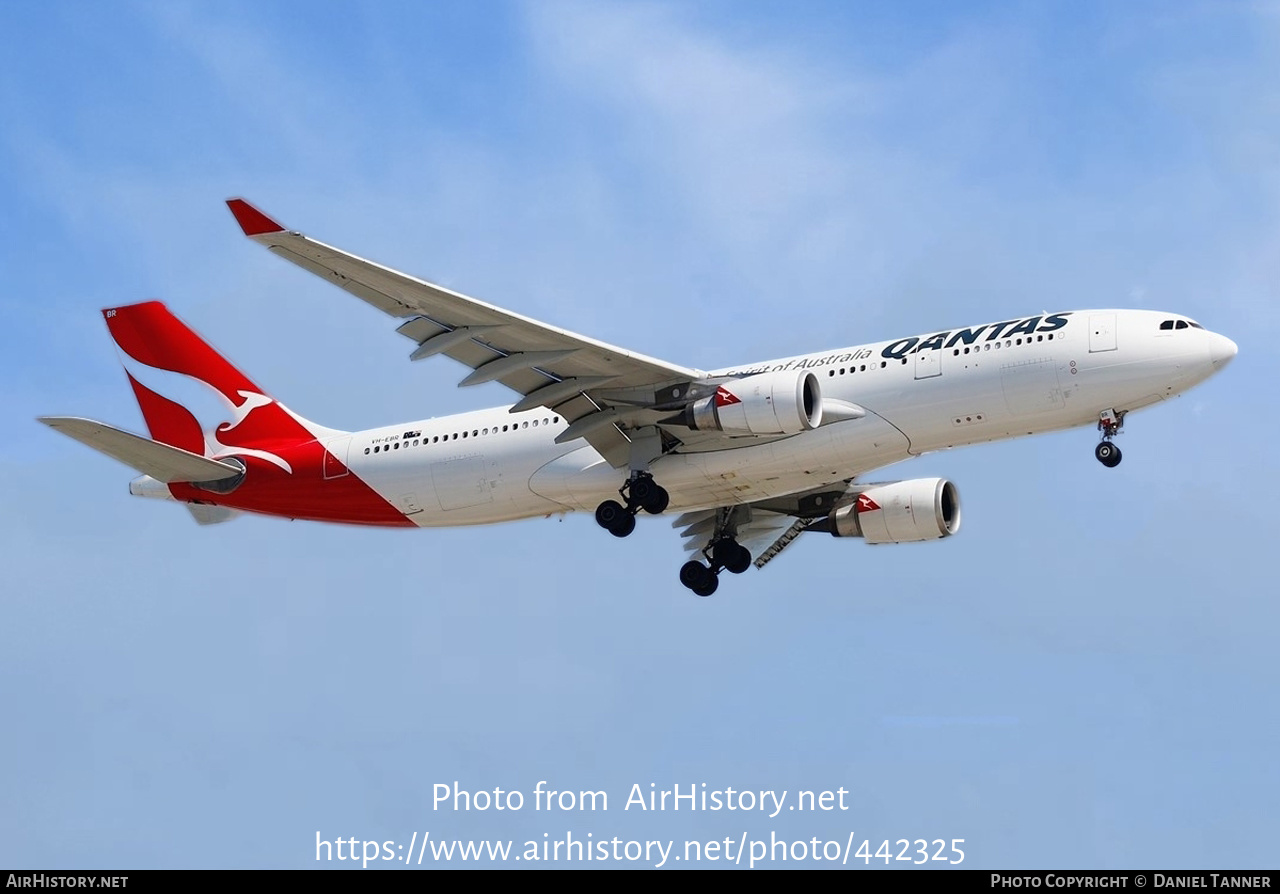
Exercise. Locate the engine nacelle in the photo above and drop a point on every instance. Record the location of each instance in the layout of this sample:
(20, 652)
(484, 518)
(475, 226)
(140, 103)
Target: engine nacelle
(776, 403)
(900, 512)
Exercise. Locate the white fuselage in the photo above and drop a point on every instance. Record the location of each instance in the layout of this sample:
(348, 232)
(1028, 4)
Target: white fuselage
(948, 389)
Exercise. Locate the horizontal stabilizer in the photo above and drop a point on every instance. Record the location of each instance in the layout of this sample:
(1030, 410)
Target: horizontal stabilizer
(162, 462)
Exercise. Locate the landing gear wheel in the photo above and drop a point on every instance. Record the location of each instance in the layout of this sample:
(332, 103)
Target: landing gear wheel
(657, 502)
(722, 551)
(699, 578)
(730, 554)
(625, 524)
(642, 488)
(1108, 454)
(649, 495)
(692, 573)
(740, 561)
(614, 518)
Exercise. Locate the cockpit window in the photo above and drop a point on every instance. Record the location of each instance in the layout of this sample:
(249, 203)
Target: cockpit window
(1167, 324)
(1182, 324)
(1195, 324)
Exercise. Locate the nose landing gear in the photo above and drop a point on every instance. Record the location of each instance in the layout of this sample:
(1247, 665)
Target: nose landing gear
(1109, 423)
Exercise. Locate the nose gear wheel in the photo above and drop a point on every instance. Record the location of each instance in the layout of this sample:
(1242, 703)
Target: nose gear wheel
(1109, 423)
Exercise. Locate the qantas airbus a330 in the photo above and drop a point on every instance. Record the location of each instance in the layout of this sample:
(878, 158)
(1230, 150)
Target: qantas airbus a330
(750, 457)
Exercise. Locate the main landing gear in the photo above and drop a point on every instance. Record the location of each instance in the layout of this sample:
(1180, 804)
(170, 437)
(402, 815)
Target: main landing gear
(724, 553)
(640, 492)
(1109, 423)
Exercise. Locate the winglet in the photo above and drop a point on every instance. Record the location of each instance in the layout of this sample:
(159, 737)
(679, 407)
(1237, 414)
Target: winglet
(251, 220)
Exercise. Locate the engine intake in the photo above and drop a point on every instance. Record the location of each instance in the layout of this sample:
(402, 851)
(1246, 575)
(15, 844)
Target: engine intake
(899, 512)
(777, 403)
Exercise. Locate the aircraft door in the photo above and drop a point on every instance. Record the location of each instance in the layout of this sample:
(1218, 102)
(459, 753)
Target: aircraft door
(1102, 333)
(928, 364)
(335, 457)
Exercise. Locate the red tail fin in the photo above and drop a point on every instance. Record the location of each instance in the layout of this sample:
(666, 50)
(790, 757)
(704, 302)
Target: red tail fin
(173, 372)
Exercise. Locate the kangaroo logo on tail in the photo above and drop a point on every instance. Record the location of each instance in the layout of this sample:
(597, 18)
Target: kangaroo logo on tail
(176, 375)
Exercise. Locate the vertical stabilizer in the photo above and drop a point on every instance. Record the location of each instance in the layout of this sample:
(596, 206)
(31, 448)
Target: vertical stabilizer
(190, 395)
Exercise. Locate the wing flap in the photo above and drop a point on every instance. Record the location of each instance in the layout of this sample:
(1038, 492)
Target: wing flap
(166, 464)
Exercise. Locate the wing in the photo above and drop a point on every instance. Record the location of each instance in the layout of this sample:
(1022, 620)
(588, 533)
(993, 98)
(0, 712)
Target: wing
(599, 389)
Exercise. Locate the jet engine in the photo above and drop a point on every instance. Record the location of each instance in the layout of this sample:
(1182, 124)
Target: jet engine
(776, 403)
(898, 512)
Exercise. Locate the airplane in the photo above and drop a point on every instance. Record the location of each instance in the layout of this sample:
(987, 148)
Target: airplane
(747, 458)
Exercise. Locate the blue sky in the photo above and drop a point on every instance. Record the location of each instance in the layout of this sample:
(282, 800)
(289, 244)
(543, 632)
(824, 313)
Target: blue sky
(1085, 676)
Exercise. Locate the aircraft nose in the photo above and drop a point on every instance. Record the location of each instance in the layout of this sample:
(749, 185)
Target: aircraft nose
(1221, 350)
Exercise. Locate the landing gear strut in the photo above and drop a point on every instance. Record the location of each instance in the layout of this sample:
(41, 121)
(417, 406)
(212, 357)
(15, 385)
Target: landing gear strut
(640, 492)
(1109, 423)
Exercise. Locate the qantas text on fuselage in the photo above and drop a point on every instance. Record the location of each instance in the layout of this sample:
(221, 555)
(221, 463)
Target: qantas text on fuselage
(896, 350)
